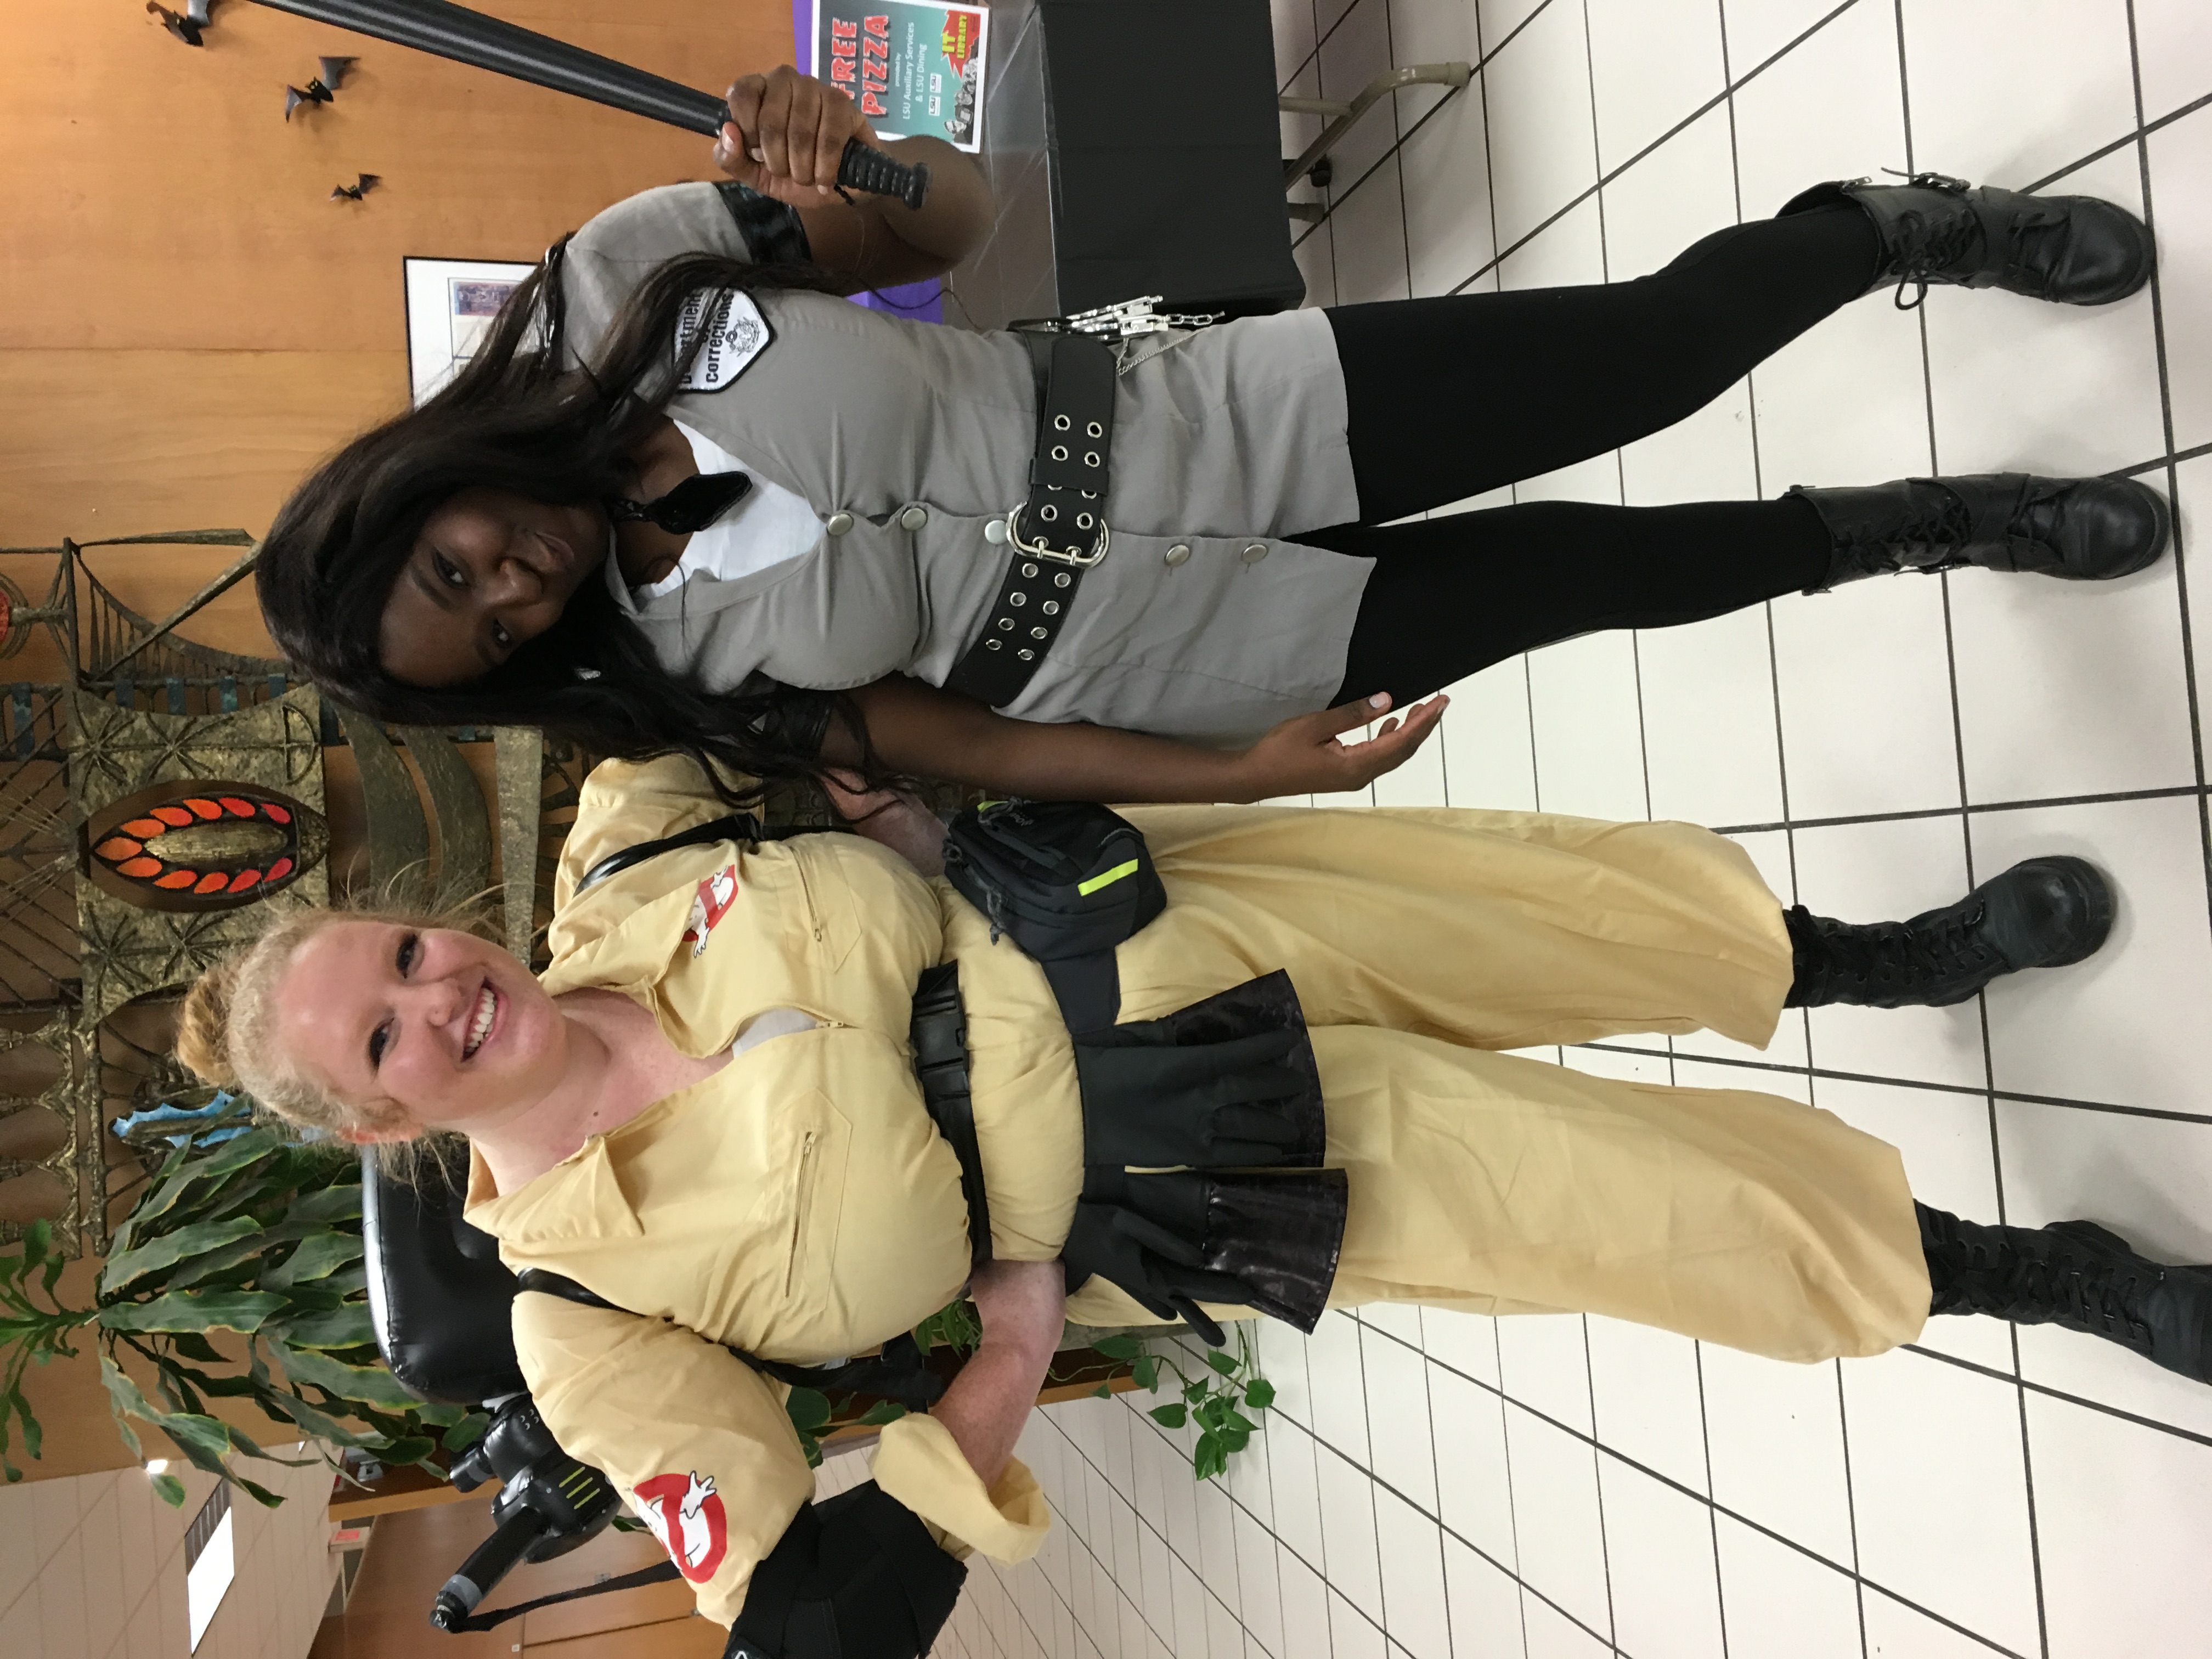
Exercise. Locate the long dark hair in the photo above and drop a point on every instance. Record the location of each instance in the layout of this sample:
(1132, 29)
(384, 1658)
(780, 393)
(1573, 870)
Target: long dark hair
(515, 419)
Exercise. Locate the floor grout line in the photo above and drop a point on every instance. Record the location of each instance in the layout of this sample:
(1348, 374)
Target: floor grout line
(1832, 1075)
(1623, 1458)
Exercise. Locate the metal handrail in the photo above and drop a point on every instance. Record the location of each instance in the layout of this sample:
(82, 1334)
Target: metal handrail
(1454, 75)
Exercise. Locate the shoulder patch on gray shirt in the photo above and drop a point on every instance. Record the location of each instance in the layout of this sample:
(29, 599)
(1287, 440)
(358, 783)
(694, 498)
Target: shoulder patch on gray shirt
(735, 332)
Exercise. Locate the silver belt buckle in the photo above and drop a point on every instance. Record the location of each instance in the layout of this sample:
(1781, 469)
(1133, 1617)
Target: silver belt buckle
(1039, 550)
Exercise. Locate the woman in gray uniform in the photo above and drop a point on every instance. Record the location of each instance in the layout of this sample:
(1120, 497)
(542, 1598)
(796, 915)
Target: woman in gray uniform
(683, 497)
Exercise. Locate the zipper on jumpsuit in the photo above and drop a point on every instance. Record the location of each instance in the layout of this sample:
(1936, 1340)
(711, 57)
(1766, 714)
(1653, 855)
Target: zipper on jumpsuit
(805, 1208)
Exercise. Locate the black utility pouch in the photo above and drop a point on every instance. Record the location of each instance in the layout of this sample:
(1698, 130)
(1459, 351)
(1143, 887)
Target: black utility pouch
(1062, 879)
(1066, 881)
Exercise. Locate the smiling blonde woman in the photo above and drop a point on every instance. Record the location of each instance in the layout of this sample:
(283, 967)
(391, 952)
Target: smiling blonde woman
(707, 1114)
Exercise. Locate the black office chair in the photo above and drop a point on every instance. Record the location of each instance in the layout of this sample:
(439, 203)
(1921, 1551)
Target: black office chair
(855, 1577)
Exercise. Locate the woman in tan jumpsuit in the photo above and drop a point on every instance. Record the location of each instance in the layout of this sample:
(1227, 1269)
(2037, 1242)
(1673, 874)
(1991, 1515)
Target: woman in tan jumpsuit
(706, 1112)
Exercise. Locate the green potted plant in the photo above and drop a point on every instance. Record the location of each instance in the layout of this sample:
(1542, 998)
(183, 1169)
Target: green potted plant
(239, 1229)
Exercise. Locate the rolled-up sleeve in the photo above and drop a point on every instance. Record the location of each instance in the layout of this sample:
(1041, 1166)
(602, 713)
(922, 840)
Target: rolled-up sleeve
(920, 1464)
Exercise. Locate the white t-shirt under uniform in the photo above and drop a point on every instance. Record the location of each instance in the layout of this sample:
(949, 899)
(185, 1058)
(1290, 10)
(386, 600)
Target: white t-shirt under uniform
(768, 526)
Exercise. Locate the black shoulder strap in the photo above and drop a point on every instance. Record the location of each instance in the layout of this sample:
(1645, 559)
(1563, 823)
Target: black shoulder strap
(653, 1575)
(897, 1373)
(737, 826)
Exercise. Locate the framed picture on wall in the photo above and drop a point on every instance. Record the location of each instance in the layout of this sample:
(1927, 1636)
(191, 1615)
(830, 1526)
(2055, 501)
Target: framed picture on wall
(449, 303)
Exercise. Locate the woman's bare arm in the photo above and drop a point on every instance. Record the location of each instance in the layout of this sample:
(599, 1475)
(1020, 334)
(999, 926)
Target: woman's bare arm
(924, 731)
(1022, 1306)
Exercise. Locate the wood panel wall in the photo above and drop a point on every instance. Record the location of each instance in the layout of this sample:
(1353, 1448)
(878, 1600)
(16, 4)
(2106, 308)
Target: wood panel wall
(190, 320)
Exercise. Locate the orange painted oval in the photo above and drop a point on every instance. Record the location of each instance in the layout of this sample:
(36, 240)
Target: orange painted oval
(237, 808)
(244, 879)
(141, 867)
(118, 848)
(214, 881)
(279, 870)
(146, 829)
(174, 816)
(176, 878)
(280, 815)
(205, 808)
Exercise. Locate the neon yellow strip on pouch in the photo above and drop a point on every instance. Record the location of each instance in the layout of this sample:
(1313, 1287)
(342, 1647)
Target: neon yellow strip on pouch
(1112, 876)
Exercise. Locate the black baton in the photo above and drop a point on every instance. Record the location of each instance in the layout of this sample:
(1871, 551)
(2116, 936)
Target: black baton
(445, 30)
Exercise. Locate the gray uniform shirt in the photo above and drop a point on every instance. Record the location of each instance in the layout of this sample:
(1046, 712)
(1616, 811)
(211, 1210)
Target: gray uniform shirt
(1226, 440)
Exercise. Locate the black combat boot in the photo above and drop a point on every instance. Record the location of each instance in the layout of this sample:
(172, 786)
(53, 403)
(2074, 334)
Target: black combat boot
(2043, 913)
(2078, 529)
(2076, 250)
(2075, 1274)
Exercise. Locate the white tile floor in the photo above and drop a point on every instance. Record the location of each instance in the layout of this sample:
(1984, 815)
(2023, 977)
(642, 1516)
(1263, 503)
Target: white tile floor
(1434, 1485)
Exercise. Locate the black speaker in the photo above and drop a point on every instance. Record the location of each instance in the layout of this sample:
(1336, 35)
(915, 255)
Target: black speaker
(1166, 155)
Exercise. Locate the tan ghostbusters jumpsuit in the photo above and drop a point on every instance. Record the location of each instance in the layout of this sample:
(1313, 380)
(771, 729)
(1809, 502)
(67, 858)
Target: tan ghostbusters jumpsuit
(800, 1203)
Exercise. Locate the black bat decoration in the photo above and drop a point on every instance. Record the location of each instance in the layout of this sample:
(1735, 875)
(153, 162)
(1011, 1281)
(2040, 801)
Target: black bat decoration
(330, 75)
(446, 30)
(354, 192)
(197, 14)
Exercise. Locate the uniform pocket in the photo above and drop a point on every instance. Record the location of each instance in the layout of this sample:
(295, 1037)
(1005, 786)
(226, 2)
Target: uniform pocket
(828, 896)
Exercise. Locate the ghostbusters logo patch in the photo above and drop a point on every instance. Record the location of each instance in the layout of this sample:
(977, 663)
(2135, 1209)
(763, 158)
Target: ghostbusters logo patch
(686, 1514)
(729, 331)
(709, 905)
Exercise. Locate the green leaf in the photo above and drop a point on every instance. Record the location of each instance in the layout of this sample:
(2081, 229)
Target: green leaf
(368, 1385)
(38, 1244)
(413, 1450)
(339, 1201)
(1170, 1417)
(203, 1440)
(324, 1253)
(1194, 1392)
(466, 1433)
(259, 1494)
(1234, 1440)
(194, 1310)
(1233, 1419)
(164, 1252)
(883, 1411)
(808, 1409)
(347, 1282)
(318, 1425)
(169, 1489)
(226, 1267)
(126, 1401)
(1147, 1370)
(1117, 1347)
(1207, 1459)
(1260, 1394)
(1102, 1392)
(193, 1345)
(190, 1169)
(1224, 1362)
(346, 1327)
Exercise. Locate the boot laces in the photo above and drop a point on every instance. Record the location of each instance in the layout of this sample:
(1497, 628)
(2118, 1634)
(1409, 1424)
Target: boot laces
(2087, 1294)
(1940, 524)
(1932, 244)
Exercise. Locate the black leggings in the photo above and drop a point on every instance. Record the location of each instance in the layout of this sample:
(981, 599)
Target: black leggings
(1451, 397)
